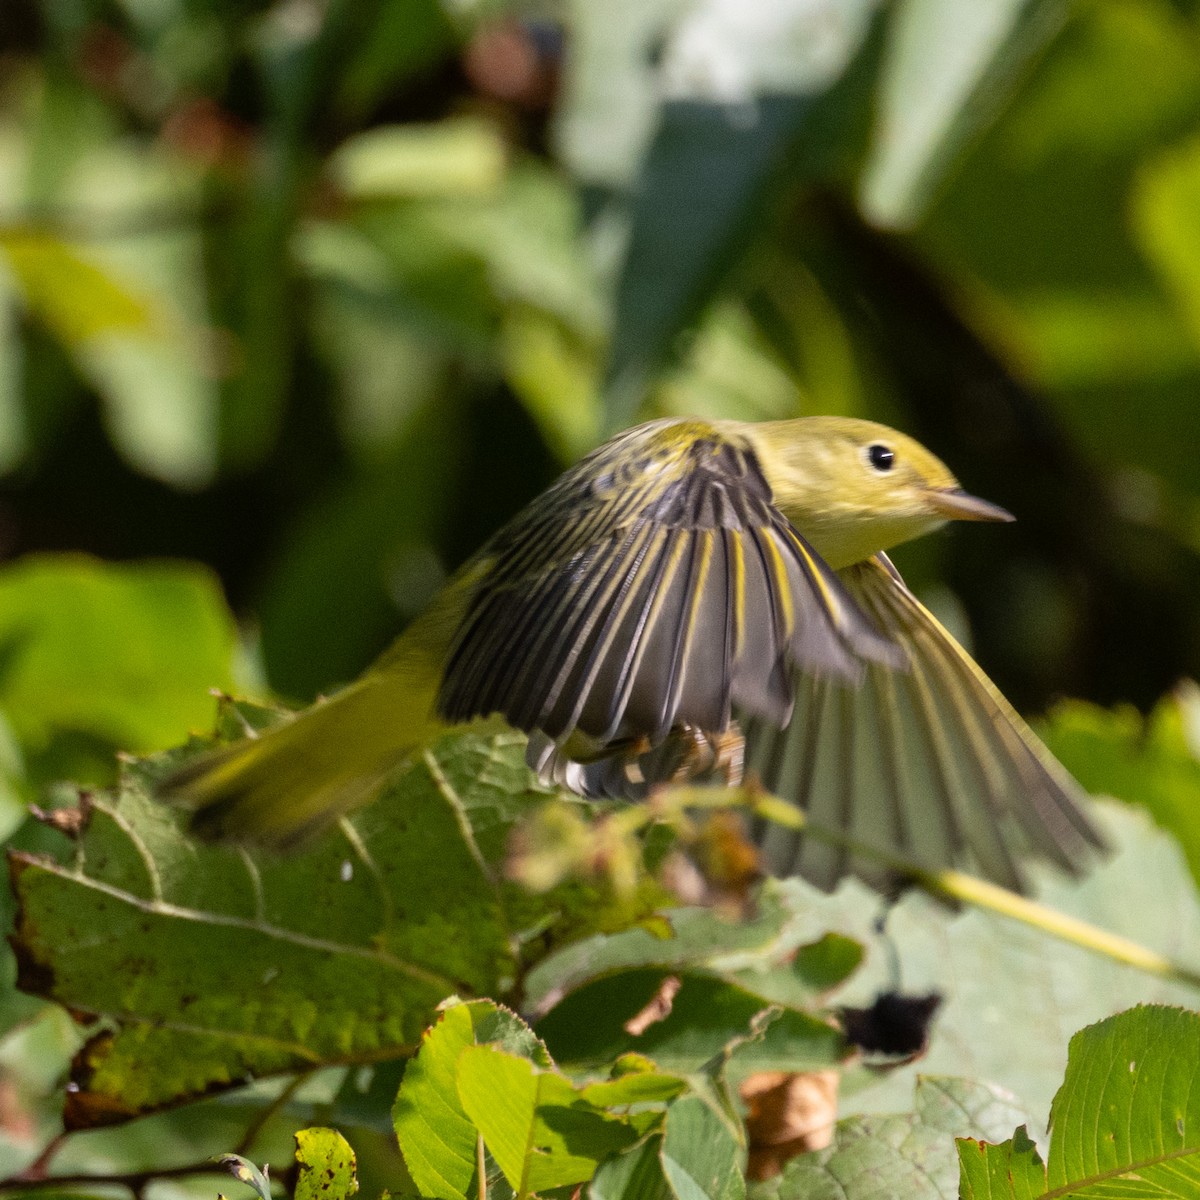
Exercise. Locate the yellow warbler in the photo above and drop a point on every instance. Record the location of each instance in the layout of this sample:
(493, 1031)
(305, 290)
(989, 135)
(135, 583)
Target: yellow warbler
(684, 575)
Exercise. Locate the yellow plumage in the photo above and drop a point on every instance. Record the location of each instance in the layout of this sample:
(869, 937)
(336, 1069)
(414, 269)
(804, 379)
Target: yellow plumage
(684, 575)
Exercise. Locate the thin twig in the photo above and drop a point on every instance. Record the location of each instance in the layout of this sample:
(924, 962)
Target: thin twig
(40, 1167)
(36, 1174)
(265, 1113)
(135, 1181)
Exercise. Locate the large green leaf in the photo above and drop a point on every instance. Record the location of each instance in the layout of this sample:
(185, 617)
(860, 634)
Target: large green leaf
(436, 1135)
(1129, 1105)
(1126, 1121)
(481, 1080)
(214, 964)
(910, 1155)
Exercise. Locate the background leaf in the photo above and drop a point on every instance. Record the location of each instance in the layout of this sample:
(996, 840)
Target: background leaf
(99, 656)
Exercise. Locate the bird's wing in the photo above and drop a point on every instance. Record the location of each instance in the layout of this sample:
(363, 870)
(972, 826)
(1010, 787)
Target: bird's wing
(655, 583)
(931, 763)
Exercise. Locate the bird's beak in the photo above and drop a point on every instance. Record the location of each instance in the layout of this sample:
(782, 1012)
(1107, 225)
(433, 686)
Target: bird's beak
(957, 505)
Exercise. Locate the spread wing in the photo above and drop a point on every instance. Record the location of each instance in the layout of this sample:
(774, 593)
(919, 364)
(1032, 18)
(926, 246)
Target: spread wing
(655, 584)
(931, 763)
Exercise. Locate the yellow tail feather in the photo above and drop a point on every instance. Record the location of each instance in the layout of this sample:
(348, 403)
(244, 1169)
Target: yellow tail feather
(279, 787)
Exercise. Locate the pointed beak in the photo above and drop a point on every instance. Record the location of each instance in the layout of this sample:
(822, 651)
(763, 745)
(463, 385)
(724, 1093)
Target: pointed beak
(956, 505)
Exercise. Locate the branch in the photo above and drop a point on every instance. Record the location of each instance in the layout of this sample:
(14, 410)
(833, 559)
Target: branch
(36, 1176)
(135, 1181)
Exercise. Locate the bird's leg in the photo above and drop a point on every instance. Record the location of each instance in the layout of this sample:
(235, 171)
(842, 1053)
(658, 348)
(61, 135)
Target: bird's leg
(705, 755)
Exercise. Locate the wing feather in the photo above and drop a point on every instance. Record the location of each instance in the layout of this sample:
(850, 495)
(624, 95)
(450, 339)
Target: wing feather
(653, 586)
(932, 763)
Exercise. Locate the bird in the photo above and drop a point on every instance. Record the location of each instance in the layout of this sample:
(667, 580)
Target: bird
(699, 598)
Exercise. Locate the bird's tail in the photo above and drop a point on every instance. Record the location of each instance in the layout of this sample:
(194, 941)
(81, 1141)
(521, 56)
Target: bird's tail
(288, 782)
(276, 789)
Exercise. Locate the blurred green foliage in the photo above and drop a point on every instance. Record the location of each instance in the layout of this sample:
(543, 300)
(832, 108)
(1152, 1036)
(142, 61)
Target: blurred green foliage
(302, 299)
(320, 293)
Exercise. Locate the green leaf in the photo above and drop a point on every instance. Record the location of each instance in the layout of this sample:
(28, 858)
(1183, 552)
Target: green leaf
(541, 1131)
(499, 1093)
(327, 1166)
(121, 653)
(701, 1160)
(1011, 1171)
(436, 1135)
(635, 1175)
(1129, 1106)
(588, 1026)
(1126, 1121)
(948, 68)
(638, 1087)
(249, 965)
(910, 1155)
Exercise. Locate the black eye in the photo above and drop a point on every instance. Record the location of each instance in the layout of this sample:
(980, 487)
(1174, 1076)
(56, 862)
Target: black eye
(880, 457)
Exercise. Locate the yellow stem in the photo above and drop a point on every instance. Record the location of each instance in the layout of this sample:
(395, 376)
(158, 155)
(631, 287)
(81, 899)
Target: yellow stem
(955, 885)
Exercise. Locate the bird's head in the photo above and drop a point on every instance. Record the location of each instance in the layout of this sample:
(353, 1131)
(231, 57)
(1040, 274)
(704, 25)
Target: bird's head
(854, 488)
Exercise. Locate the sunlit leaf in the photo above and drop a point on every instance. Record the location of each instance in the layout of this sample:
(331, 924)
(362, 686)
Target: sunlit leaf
(540, 1130)
(327, 1166)
(1012, 1170)
(1124, 1123)
(436, 1135)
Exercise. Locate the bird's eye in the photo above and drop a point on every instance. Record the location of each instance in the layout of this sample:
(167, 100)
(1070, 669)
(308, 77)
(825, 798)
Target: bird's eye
(881, 457)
